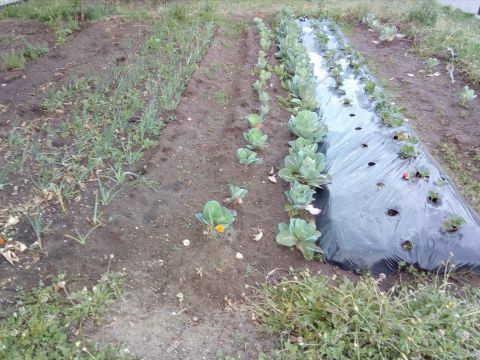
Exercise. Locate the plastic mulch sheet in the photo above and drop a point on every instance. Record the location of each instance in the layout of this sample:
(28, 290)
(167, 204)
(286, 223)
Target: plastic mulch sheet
(373, 219)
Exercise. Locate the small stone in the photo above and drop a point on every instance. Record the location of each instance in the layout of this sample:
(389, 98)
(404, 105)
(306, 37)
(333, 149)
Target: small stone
(186, 242)
(239, 256)
(189, 119)
(195, 319)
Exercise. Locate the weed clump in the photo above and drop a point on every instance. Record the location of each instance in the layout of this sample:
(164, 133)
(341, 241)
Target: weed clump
(424, 13)
(320, 318)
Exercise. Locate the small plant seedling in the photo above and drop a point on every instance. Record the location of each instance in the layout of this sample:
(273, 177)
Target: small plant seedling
(467, 95)
(407, 151)
(425, 172)
(431, 63)
(453, 223)
(433, 196)
(222, 99)
(236, 195)
(247, 156)
(370, 87)
(347, 101)
(216, 218)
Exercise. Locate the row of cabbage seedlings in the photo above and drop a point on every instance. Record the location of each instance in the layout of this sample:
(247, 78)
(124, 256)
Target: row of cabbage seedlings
(216, 218)
(304, 165)
(390, 113)
(254, 136)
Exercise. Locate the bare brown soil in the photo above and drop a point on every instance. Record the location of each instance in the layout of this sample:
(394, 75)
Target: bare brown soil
(194, 163)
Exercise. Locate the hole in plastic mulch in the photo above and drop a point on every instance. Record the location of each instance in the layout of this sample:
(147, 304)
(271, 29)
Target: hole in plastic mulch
(352, 115)
(358, 128)
(371, 163)
(392, 212)
(364, 145)
(407, 245)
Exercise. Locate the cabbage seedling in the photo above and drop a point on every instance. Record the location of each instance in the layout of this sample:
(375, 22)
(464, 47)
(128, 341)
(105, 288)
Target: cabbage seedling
(466, 96)
(308, 125)
(261, 63)
(431, 63)
(264, 97)
(237, 194)
(255, 139)
(300, 195)
(301, 235)
(306, 168)
(254, 120)
(247, 156)
(216, 218)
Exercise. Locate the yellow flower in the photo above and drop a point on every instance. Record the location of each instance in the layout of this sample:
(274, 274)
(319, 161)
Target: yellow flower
(220, 228)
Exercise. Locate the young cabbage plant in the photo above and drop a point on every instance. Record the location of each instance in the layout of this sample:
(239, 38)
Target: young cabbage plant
(307, 124)
(247, 156)
(216, 218)
(306, 168)
(265, 43)
(259, 86)
(264, 109)
(431, 63)
(265, 75)
(301, 235)
(255, 139)
(236, 195)
(302, 144)
(300, 195)
(254, 121)
(264, 97)
(466, 96)
(261, 63)
(389, 33)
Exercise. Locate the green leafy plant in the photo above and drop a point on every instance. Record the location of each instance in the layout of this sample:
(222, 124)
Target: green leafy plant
(222, 99)
(302, 144)
(216, 218)
(467, 95)
(389, 33)
(255, 139)
(370, 87)
(236, 195)
(12, 60)
(44, 323)
(433, 196)
(32, 51)
(431, 63)
(299, 195)
(306, 168)
(407, 151)
(320, 317)
(247, 156)
(254, 121)
(300, 234)
(453, 223)
(264, 97)
(425, 172)
(308, 125)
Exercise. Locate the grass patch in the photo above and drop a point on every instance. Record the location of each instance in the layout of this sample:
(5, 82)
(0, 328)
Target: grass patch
(320, 318)
(47, 322)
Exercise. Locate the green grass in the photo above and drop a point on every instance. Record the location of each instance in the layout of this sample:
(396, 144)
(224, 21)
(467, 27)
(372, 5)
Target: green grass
(317, 317)
(47, 323)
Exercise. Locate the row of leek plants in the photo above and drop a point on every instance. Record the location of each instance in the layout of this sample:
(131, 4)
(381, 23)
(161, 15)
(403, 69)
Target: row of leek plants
(304, 166)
